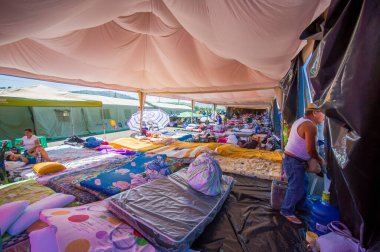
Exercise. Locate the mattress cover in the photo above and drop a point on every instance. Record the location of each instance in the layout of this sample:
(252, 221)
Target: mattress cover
(168, 212)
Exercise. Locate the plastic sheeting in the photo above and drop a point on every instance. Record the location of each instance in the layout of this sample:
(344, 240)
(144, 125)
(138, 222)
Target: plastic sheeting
(248, 223)
(344, 73)
(168, 212)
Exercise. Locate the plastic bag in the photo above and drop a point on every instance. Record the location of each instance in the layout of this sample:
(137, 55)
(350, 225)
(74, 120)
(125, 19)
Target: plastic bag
(205, 175)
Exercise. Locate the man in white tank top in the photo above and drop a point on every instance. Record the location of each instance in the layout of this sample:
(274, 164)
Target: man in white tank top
(300, 148)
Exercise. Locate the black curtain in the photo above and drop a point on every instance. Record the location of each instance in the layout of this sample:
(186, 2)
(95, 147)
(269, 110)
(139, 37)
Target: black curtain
(290, 88)
(345, 78)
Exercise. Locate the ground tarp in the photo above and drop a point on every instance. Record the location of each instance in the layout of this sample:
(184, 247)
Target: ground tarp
(248, 223)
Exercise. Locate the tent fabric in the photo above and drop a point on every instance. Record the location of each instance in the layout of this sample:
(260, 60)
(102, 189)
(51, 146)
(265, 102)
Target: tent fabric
(43, 96)
(345, 77)
(60, 113)
(170, 108)
(161, 46)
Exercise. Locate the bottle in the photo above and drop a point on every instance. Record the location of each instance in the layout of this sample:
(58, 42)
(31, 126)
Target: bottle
(322, 213)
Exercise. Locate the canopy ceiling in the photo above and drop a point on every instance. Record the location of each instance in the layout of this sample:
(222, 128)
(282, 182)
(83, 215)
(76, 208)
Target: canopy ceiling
(162, 47)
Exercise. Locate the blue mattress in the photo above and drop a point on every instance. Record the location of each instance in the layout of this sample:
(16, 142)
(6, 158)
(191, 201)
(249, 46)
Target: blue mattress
(119, 179)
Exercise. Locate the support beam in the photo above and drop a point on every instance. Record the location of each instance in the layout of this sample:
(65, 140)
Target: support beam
(142, 103)
(192, 110)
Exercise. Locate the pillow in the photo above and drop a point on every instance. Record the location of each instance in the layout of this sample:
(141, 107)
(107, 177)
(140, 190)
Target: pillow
(92, 227)
(10, 212)
(48, 167)
(44, 240)
(12, 165)
(32, 212)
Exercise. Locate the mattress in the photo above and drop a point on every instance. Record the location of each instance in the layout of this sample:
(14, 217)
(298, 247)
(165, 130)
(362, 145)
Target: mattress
(24, 190)
(66, 183)
(119, 179)
(168, 212)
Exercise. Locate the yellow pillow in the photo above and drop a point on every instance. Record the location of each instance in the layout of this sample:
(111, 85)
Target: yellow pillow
(48, 167)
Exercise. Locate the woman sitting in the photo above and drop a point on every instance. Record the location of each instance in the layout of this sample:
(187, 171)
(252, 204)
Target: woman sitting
(33, 146)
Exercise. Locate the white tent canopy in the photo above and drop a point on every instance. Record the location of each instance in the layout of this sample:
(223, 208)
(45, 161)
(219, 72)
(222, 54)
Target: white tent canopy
(160, 47)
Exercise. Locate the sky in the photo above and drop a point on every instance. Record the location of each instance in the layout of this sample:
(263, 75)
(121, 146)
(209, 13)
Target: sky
(17, 82)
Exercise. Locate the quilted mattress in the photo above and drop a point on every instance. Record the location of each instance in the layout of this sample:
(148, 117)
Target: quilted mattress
(168, 212)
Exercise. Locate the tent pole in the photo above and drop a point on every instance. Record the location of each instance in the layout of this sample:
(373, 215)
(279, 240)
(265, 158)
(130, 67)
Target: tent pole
(142, 103)
(104, 127)
(192, 110)
(282, 121)
(72, 121)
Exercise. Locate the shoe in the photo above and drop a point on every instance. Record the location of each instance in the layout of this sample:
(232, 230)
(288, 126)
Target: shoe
(293, 219)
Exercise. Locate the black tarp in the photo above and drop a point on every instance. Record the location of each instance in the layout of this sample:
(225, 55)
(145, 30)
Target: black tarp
(248, 223)
(290, 86)
(345, 76)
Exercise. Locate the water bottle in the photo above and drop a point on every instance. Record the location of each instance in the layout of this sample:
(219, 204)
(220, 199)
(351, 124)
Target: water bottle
(322, 213)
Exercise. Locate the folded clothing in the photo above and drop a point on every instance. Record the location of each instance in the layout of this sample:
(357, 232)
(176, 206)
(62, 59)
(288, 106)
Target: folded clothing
(119, 179)
(168, 212)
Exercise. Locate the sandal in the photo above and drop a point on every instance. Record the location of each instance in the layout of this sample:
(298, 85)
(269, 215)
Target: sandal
(293, 219)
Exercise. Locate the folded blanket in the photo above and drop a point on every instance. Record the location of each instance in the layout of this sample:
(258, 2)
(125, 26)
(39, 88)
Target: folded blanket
(134, 144)
(228, 150)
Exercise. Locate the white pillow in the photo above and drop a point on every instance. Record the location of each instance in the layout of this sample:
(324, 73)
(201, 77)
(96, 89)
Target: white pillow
(32, 212)
(11, 165)
(10, 212)
(44, 240)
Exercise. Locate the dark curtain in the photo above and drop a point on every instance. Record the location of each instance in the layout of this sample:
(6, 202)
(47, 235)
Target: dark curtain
(290, 85)
(345, 78)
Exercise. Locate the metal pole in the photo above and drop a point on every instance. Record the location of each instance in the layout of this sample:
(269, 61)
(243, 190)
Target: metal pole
(104, 127)
(142, 103)
(192, 110)
(72, 121)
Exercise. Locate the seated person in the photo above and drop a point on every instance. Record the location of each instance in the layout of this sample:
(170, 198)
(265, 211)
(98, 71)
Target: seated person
(248, 145)
(33, 146)
(17, 158)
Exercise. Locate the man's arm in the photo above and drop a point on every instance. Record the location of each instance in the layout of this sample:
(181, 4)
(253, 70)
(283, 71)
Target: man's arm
(310, 137)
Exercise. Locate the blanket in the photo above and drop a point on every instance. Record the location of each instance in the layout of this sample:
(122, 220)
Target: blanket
(253, 167)
(228, 150)
(66, 183)
(92, 227)
(119, 179)
(23, 190)
(134, 144)
(83, 164)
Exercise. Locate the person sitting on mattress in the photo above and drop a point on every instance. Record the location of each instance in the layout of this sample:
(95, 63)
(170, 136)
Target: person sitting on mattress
(17, 158)
(33, 146)
(248, 145)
